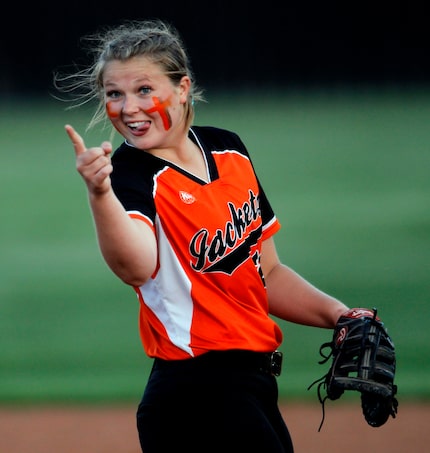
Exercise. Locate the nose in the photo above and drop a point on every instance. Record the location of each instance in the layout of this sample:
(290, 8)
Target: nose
(130, 105)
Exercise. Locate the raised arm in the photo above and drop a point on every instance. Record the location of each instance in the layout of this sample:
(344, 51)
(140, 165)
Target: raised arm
(127, 245)
(293, 298)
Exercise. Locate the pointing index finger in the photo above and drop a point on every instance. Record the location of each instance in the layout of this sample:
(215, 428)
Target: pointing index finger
(76, 139)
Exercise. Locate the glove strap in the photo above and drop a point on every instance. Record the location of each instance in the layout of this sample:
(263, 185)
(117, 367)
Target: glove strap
(355, 313)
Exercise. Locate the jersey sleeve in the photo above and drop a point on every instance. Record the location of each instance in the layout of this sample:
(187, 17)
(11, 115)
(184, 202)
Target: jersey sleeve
(132, 183)
(271, 224)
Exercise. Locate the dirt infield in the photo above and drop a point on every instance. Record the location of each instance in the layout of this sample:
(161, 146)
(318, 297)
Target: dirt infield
(111, 429)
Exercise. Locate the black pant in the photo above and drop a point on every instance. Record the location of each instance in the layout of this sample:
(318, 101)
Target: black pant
(216, 403)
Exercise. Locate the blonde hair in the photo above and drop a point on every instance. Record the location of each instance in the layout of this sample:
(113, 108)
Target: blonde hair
(154, 39)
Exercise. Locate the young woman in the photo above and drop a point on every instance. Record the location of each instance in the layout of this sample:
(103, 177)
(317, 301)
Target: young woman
(181, 217)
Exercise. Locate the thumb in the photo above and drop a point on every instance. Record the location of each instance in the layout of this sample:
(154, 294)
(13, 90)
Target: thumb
(107, 148)
(76, 139)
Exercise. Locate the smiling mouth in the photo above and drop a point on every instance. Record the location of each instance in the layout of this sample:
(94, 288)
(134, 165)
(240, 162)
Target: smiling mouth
(139, 125)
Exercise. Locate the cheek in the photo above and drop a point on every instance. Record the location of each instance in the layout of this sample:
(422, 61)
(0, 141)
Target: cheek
(161, 107)
(113, 111)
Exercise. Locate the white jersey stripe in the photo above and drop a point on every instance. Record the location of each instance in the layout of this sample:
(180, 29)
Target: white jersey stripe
(168, 295)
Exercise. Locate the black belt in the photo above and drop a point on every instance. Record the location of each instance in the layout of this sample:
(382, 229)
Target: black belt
(266, 362)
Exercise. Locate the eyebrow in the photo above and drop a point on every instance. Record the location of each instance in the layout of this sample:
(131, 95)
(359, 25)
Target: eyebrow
(139, 81)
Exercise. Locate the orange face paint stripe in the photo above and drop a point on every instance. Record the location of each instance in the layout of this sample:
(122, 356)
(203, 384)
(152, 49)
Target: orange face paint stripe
(111, 112)
(161, 108)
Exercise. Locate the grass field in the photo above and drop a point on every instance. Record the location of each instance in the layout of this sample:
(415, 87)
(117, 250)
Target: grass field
(347, 173)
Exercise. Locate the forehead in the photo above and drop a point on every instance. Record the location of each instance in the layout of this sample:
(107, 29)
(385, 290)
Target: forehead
(135, 69)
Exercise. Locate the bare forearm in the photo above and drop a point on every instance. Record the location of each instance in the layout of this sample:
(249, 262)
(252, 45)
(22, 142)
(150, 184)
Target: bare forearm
(294, 299)
(127, 245)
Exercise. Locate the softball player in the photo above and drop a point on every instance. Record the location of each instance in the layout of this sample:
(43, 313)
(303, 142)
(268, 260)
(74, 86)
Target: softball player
(181, 217)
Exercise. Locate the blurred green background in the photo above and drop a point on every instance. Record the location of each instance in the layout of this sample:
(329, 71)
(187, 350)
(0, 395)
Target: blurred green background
(347, 172)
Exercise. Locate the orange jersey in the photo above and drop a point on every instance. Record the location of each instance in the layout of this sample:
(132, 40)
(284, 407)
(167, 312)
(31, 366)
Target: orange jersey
(208, 291)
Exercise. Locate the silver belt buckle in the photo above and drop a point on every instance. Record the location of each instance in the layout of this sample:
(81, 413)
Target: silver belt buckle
(276, 363)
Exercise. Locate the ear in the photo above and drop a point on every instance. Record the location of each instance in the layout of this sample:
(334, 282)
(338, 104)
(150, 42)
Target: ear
(184, 89)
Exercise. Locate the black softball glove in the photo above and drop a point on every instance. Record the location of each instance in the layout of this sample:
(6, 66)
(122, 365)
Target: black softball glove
(363, 359)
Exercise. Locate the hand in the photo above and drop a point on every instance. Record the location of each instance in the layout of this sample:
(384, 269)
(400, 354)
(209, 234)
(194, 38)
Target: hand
(94, 164)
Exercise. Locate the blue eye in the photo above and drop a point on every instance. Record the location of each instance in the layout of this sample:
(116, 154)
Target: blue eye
(113, 94)
(145, 89)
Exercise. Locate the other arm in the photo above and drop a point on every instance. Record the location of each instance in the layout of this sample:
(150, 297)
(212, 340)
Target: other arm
(294, 299)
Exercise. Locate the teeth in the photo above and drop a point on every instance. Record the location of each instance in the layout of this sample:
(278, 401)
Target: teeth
(136, 124)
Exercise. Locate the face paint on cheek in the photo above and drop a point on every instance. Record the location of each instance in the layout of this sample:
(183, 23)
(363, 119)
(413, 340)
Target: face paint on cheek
(112, 111)
(161, 108)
